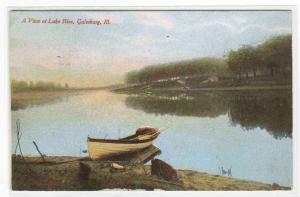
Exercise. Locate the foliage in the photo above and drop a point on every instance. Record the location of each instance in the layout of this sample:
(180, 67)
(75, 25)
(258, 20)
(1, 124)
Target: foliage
(207, 66)
(278, 54)
(39, 85)
(274, 56)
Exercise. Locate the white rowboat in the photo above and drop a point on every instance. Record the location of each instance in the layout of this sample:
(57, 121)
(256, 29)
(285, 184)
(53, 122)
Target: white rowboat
(104, 148)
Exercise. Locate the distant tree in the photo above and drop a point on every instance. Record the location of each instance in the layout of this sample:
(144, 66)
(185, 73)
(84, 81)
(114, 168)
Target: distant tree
(31, 85)
(234, 64)
(39, 85)
(202, 66)
(19, 85)
(58, 86)
(256, 57)
(251, 59)
(277, 54)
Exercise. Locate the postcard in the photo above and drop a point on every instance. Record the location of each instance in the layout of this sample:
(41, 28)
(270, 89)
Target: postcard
(137, 99)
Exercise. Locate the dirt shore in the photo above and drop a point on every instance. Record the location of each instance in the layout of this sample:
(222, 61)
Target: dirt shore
(64, 173)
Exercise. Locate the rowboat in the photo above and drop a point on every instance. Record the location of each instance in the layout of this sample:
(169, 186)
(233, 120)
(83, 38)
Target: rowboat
(104, 148)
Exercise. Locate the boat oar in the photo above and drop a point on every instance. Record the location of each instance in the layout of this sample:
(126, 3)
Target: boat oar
(163, 129)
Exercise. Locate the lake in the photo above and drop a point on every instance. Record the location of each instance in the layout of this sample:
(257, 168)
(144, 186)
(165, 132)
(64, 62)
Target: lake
(247, 131)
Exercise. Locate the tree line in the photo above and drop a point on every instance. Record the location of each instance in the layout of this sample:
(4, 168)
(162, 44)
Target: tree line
(207, 66)
(271, 58)
(38, 85)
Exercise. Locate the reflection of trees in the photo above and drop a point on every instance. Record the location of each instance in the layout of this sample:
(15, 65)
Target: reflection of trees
(23, 103)
(204, 105)
(268, 110)
(271, 111)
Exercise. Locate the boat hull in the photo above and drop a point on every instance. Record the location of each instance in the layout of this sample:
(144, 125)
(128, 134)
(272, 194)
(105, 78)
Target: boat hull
(100, 150)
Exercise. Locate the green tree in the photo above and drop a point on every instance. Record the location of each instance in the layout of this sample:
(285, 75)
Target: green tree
(251, 59)
(203, 66)
(31, 85)
(234, 64)
(19, 85)
(277, 54)
(256, 57)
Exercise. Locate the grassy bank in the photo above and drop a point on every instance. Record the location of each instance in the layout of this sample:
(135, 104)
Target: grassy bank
(34, 175)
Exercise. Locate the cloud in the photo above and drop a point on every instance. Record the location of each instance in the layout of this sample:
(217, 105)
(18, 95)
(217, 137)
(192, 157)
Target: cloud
(154, 19)
(239, 20)
(149, 39)
(272, 30)
(238, 29)
(225, 25)
(143, 39)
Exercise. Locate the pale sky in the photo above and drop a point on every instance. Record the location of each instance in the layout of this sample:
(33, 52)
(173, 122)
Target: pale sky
(91, 55)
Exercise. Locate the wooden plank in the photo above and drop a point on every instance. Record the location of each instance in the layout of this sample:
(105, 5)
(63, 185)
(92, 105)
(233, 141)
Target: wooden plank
(144, 155)
(141, 156)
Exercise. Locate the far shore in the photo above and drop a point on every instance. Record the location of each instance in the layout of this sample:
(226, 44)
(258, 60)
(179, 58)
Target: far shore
(236, 88)
(124, 88)
(282, 87)
(25, 93)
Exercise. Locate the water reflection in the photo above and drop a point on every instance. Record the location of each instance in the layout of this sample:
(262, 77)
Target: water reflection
(272, 111)
(18, 104)
(23, 100)
(269, 110)
(204, 105)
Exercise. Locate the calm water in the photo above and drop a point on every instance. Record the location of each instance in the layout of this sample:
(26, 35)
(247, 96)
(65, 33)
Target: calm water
(249, 131)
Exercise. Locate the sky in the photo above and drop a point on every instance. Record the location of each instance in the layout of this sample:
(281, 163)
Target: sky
(90, 55)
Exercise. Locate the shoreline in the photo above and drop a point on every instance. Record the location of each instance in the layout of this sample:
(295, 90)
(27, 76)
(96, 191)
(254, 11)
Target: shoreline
(34, 175)
(244, 88)
(205, 89)
(238, 88)
(38, 94)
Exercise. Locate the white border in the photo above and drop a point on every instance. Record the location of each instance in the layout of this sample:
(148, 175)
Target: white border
(135, 4)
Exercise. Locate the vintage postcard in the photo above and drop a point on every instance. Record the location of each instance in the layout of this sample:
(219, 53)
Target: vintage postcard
(192, 100)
